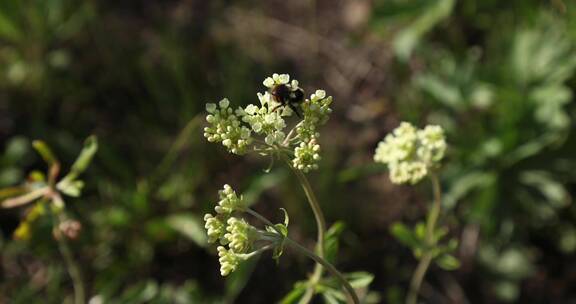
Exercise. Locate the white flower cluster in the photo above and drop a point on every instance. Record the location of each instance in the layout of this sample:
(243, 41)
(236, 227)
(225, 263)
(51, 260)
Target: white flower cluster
(306, 156)
(237, 239)
(316, 113)
(235, 129)
(228, 230)
(410, 153)
(225, 127)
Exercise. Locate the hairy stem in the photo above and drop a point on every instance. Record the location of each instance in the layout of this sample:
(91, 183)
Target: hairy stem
(427, 257)
(312, 255)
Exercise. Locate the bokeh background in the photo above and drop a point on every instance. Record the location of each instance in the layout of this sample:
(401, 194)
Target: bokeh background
(499, 76)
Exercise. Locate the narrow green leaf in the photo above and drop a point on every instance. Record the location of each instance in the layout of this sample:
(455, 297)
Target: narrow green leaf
(332, 241)
(448, 262)
(85, 157)
(404, 235)
(359, 279)
(420, 231)
(294, 295)
(190, 225)
(45, 152)
(67, 184)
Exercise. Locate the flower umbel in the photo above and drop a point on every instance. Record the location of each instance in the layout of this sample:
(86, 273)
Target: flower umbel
(410, 153)
(225, 127)
(240, 235)
(215, 228)
(229, 201)
(228, 260)
(306, 156)
(238, 129)
(237, 238)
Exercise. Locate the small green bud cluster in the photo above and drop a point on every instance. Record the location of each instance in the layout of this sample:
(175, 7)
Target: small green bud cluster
(236, 129)
(237, 238)
(410, 153)
(229, 260)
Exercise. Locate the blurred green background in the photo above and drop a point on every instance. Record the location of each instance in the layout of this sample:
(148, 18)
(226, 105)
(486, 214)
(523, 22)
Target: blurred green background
(499, 76)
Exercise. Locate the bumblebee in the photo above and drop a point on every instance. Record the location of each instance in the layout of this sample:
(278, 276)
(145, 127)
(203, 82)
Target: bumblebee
(285, 96)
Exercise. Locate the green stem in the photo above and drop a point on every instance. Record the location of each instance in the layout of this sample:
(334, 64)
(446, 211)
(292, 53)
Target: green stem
(321, 230)
(73, 270)
(310, 254)
(328, 266)
(418, 277)
(427, 257)
(71, 265)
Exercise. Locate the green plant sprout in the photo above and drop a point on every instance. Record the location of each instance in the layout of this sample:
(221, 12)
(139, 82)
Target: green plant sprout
(411, 155)
(261, 129)
(45, 192)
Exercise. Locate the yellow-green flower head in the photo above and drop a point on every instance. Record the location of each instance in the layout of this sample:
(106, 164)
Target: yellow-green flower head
(240, 235)
(410, 153)
(215, 228)
(228, 260)
(229, 201)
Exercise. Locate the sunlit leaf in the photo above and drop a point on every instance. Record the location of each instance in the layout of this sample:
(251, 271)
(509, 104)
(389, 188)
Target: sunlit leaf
(190, 225)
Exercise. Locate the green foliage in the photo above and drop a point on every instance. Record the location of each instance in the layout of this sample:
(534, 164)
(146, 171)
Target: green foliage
(498, 76)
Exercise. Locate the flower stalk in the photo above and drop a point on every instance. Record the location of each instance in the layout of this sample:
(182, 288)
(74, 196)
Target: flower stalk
(318, 259)
(427, 256)
(262, 129)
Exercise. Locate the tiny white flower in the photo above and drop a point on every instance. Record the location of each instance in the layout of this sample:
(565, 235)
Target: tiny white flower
(283, 79)
(210, 107)
(224, 103)
(268, 82)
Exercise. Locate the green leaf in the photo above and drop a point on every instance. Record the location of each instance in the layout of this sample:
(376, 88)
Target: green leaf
(8, 28)
(448, 262)
(68, 184)
(440, 233)
(360, 279)
(72, 189)
(332, 241)
(332, 296)
(408, 39)
(404, 235)
(85, 158)
(420, 231)
(295, 294)
(464, 184)
(45, 152)
(190, 225)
